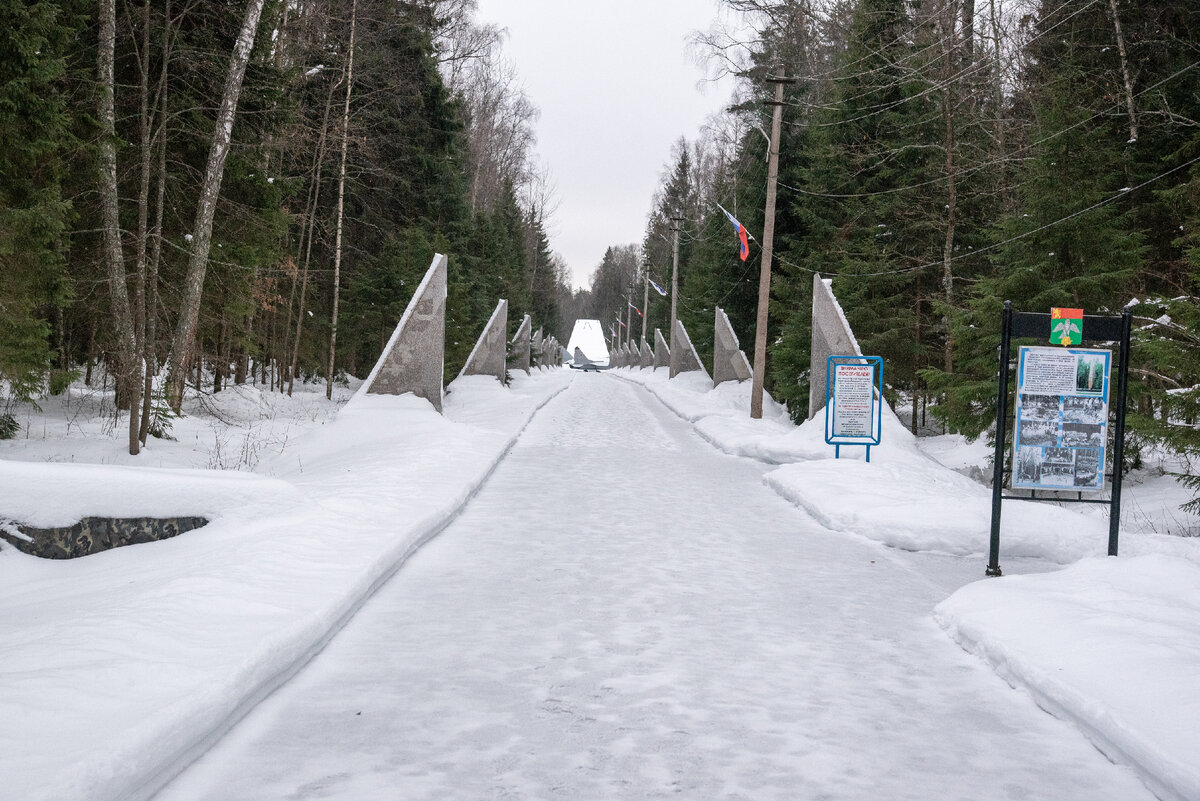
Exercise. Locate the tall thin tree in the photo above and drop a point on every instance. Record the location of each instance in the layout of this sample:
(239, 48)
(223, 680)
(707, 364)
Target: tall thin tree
(185, 328)
(114, 258)
(337, 248)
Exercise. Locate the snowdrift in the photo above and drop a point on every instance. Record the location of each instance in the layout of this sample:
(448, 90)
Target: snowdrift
(1112, 644)
(119, 668)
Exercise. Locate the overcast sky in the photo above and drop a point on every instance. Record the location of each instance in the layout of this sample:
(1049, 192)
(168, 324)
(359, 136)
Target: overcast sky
(616, 87)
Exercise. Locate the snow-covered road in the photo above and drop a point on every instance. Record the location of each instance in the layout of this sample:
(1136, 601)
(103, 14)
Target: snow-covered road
(623, 612)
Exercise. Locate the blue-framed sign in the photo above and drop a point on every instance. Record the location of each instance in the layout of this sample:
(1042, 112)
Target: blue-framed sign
(1061, 419)
(853, 402)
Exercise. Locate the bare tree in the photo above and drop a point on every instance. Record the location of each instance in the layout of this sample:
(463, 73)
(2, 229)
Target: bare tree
(337, 249)
(127, 352)
(1116, 18)
(311, 222)
(185, 328)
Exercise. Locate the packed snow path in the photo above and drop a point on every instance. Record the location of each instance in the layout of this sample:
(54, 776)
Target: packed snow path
(623, 612)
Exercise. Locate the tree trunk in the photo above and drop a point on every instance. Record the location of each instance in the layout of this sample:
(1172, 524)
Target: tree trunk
(917, 343)
(198, 358)
(1133, 126)
(998, 91)
(948, 101)
(224, 348)
(151, 342)
(185, 329)
(139, 411)
(91, 350)
(126, 345)
(968, 30)
(312, 216)
(337, 248)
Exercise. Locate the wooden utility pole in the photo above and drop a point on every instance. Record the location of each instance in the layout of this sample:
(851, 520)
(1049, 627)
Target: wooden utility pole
(674, 274)
(764, 276)
(629, 317)
(645, 299)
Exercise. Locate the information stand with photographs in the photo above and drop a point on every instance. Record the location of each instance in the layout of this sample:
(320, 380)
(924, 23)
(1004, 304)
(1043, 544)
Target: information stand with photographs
(1062, 421)
(853, 405)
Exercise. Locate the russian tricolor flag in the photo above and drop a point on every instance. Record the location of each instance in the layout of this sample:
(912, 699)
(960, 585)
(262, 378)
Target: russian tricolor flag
(744, 251)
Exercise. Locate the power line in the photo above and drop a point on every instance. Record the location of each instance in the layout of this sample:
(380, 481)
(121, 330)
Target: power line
(1031, 232)
(906, 36)
(881, 108)
(993, 162)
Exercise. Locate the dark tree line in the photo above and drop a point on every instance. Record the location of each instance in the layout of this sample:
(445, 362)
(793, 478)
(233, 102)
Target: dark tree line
(169, 214)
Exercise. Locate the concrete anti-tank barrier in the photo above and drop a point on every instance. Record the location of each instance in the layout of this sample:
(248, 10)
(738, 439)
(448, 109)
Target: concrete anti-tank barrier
(729, 361)
(487, 358)
(662, 352)
(414, 357)
(831, 336)
(520, 347)
(684, 358)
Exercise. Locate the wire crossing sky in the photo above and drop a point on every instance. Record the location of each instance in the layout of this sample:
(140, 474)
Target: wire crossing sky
(616, 87)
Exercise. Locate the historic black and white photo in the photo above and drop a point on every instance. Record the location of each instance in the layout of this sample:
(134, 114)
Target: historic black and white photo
(1038, 432)
(1084, 410)
(1087, 467)
(1076, 434)
(1040, 407)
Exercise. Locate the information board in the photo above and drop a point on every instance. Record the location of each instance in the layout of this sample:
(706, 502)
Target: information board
(853, 400)
(1061, 419)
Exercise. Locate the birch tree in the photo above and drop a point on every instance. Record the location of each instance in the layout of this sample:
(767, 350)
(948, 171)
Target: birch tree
(341, 202)
(185, 329)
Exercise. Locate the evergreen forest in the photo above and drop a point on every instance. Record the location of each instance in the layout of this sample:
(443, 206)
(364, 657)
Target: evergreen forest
(209, 193)
(936, 158)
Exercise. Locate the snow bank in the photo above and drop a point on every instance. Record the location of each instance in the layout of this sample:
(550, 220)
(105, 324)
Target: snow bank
(233, 429)
(903, 497)
(721, 416)
(1112, 644)
(907, 499)
(83, 490)
(120, 667)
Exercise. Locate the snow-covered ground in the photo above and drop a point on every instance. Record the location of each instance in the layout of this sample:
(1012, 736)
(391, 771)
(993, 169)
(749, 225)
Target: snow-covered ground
(122, 667)
(231, 430)
(1110, 644)
(670, 628)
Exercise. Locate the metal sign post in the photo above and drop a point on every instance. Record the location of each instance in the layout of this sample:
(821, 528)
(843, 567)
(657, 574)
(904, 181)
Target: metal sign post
(1063, 413)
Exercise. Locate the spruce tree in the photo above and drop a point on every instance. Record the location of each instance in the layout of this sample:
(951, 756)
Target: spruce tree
(35, 116)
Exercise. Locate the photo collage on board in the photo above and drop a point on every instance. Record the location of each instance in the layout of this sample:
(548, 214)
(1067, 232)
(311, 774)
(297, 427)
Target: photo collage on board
(1061, 419)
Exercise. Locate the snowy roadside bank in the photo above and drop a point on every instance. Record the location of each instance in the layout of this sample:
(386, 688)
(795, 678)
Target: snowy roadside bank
(903, 497)
(123, 666)
(1109, 644)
